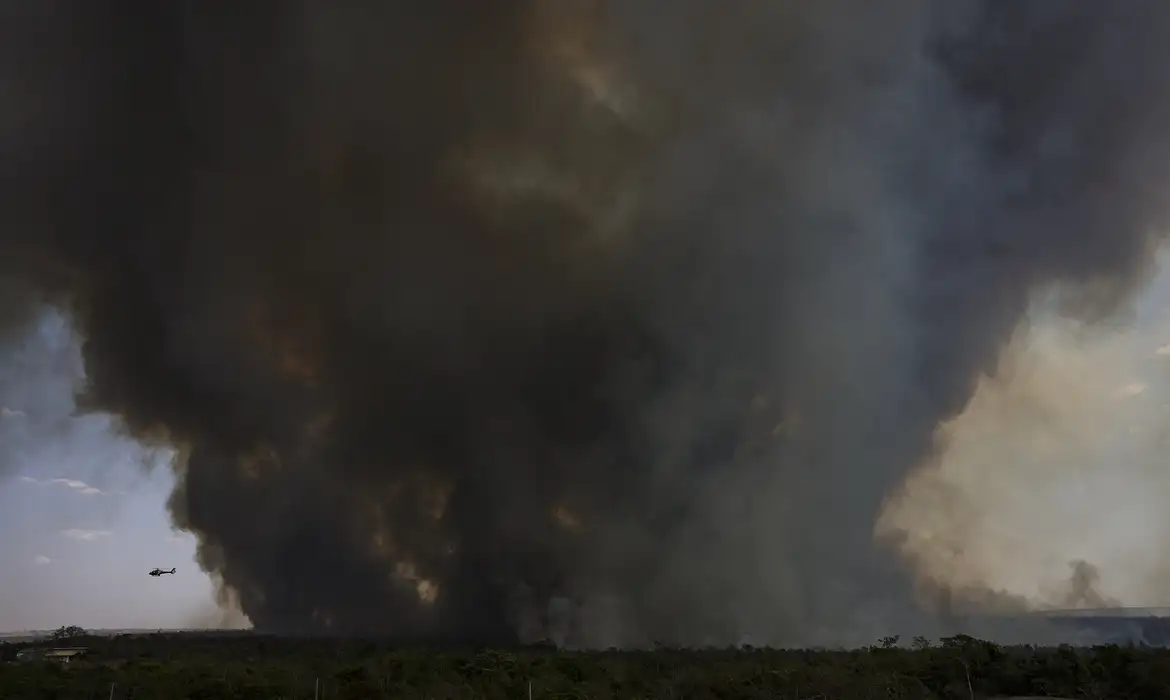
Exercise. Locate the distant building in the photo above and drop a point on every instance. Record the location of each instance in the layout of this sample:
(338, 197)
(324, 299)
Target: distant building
(65, 654)
(61, 655)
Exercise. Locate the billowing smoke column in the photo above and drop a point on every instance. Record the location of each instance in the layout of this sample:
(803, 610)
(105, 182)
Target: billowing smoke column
(462, 317)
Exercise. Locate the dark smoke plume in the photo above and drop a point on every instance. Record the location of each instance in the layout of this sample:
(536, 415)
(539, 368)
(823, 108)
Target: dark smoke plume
(473, 321)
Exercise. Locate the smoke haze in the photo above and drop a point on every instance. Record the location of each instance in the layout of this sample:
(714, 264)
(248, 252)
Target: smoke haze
(1056, 462)
(611, 322)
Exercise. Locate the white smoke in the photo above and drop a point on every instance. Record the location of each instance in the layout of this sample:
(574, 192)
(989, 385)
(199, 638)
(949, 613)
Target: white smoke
(1059, 458)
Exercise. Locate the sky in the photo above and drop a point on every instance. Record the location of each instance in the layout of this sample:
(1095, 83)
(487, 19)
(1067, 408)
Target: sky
(1059, 457)
(82, 510)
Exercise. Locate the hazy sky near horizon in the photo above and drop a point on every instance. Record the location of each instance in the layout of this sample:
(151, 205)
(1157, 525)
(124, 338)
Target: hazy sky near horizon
(84, 517)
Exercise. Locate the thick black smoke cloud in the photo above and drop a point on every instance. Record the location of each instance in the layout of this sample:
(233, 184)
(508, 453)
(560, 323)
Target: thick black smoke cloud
(463, 317)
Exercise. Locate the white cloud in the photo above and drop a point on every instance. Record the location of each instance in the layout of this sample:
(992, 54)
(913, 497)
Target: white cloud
(74, 484)
(71, 483)
(1131, 390)
(6, 412)
(1163, 351)
(85, 535)
(42, 560)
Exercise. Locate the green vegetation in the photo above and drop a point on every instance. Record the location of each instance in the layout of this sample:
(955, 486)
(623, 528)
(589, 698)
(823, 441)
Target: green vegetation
(208, 667)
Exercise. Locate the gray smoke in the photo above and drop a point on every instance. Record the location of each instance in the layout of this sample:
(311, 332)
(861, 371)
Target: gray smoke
(470, 321)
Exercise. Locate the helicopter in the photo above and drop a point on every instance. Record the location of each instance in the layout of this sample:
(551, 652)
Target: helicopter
(160, 572)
